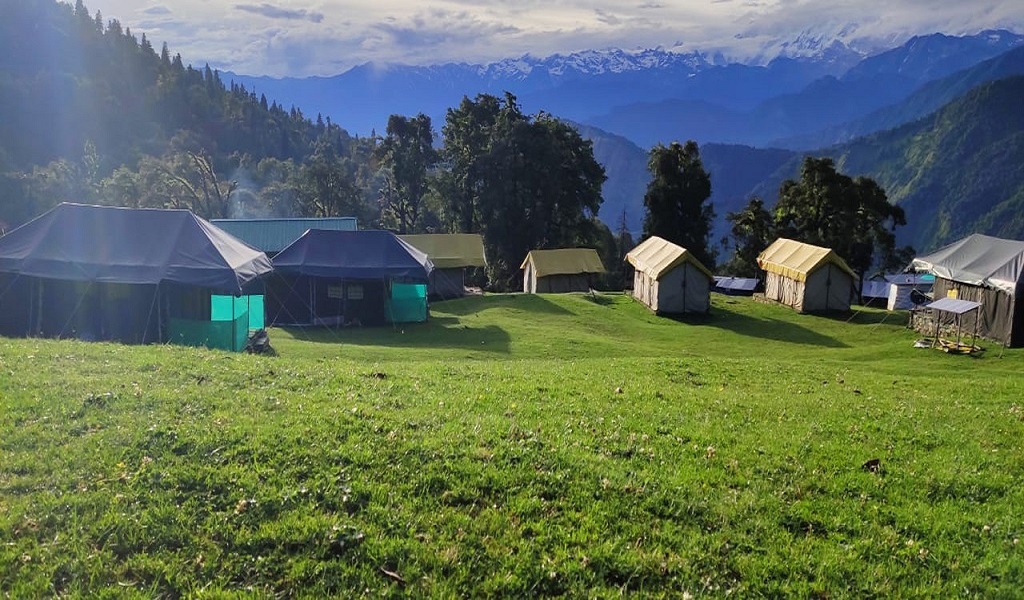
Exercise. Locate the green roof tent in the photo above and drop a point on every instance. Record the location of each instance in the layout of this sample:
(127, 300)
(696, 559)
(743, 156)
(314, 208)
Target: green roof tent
(273, 235)
(128, 274)
(452, 254)
(348, 278)
(561, 270)
(669, 279)
(809, 278)
(983, 269)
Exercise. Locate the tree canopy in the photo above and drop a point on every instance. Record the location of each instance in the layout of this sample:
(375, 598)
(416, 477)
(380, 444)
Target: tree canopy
(852, 216)
(752, 229)
(676, 199)
(523, 182)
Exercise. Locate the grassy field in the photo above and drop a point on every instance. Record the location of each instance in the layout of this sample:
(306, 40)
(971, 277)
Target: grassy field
(518, 446)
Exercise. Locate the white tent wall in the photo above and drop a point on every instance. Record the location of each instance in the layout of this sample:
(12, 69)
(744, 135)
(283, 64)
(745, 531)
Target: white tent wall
(828, 288)
(644, 291)
(529, 280)
(899, 294)
(784, 290)
(684, 289)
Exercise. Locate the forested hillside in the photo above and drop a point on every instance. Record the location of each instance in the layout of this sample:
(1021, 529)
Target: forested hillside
(94, 113)
(958, 171)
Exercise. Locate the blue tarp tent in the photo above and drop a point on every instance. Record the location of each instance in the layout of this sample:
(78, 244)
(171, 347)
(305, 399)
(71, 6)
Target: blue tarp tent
(99, 272)
(348, 278)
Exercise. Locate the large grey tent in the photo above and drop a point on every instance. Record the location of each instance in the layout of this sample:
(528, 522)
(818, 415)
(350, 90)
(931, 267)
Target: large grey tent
(348, 277)
(809, 278)
(134, 275)
(669, 279)
(983, 269)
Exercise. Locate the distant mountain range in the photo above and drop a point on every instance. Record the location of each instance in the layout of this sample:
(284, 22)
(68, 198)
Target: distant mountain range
(652, 95)
(822, 94)
(950, 153)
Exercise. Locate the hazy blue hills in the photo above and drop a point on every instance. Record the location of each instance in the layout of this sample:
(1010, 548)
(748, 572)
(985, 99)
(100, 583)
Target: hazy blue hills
(651, 95)
(957, 171)
(801, 119)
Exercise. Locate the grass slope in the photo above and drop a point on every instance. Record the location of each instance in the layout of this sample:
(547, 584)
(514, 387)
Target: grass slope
(514, 445)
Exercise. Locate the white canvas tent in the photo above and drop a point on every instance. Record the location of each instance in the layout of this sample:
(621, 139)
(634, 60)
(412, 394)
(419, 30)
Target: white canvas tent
(669, 279)
(808, 278)
(902, 288)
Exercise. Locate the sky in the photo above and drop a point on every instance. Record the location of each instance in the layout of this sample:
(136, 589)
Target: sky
(301, 38)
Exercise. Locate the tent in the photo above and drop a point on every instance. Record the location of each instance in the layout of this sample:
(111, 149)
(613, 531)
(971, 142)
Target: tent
(451, 254)
(128, 274)
(273, 235)
(808, 278)
(668, 278)
(348, 278)
(559, 271)
(983, 269)
(874, 292)
(902, 288)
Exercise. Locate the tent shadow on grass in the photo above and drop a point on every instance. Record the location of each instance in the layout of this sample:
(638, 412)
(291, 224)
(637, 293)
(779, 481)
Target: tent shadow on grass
(763, 328)
(439, 332)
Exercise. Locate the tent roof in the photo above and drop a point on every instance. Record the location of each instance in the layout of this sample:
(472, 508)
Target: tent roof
(656, 256)
(797, 260)
(367, 254)
(450, 250)
(272, 235)
(564, 261)
(107, 244)
(978, 260)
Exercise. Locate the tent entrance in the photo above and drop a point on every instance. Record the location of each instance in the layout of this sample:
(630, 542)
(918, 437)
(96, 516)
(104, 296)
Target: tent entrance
(407, 303)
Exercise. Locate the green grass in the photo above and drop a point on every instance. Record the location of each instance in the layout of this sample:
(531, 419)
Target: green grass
(518, 446)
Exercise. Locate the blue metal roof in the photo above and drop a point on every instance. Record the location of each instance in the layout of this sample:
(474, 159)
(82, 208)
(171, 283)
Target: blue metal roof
(273, 235)
(738, 284)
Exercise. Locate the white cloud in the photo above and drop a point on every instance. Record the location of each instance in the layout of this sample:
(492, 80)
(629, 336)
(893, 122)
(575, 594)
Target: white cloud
(324, 37)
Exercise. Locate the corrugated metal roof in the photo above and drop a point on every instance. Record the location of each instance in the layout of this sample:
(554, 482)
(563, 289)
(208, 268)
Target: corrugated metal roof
(656, 256)
(564, 261)
(450, 250)
(273, 235)
(797, 260)
(738, 284)
(954, 305)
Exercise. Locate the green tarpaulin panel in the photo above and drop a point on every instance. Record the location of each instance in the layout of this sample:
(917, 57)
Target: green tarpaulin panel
(223, 335)
(229, 308)
(256, 313)
(408, 303)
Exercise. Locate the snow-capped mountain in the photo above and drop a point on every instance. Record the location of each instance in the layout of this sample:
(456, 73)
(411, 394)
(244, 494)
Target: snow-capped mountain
(818, 72)
(596, 62)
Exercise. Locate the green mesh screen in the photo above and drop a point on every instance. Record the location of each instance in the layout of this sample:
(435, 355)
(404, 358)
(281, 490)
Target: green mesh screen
(408, 303)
